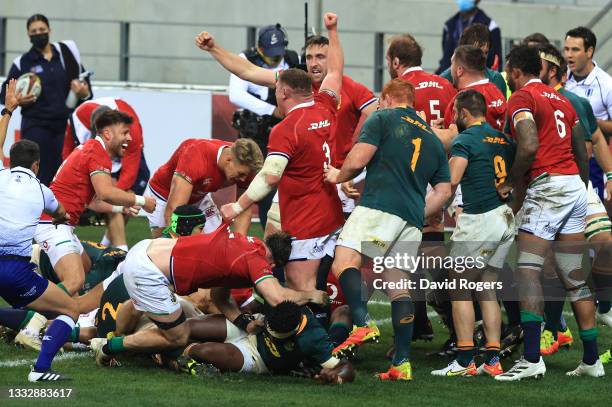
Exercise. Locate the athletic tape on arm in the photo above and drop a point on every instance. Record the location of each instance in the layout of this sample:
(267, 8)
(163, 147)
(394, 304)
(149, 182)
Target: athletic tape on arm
(274, 165)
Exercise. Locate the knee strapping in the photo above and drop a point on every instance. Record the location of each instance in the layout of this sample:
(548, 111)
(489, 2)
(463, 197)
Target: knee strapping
(530, 261)
(596, 226)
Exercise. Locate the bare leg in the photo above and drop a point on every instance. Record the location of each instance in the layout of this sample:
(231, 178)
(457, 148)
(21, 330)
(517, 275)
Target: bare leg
(224, 356)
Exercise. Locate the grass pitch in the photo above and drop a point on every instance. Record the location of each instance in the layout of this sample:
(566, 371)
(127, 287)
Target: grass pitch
(139, 382)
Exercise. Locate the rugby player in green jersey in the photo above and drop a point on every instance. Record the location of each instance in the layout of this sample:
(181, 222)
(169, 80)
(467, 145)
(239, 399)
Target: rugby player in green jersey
(290, 337)
(480, 159)
(402, 155)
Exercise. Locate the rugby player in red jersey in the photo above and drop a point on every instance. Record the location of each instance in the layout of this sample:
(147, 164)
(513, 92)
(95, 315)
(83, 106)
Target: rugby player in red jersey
(432, 92)
(129, 173)
(157, 270)
(298, 153)
(551, 153)
(84, 174)
(468, 65)
(197, 168)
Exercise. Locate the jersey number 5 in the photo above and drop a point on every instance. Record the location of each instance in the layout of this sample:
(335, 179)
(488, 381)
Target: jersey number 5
(500, 170)
(415, 155)
(435, 113)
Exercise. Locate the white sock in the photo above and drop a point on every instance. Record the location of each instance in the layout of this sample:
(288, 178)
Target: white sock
(123, 247)
(105, 241)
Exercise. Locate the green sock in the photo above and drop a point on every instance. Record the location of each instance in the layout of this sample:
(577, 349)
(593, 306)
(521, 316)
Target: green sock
(27, 319)
(115, 345)
(61, 285)
(402, 316)
(74, 335)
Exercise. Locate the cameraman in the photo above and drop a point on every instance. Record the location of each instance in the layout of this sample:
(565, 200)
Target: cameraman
(258, 112)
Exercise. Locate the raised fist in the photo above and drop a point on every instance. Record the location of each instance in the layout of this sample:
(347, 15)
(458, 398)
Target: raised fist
(330, 20)
(205, 41)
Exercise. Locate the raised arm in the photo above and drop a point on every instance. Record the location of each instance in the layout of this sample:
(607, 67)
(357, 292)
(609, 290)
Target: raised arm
(335, 56)
(237, 65)
(11, 103)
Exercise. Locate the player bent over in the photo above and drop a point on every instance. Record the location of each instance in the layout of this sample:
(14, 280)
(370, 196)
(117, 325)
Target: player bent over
(291, 336)
(480, 156)
(84, 174)
(392, 144)
(551, 151)
(154, 267)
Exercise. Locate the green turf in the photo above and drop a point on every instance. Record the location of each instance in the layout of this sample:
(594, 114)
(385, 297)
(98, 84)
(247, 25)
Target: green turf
(138, 382)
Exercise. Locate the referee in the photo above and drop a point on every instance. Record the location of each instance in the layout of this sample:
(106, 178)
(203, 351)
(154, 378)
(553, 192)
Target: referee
(22, 199)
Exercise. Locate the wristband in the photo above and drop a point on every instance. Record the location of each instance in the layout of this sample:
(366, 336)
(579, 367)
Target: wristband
(117, 209)
(609, 176)
(5, 111)
(139, 200)
(237, 208)
(242, 321)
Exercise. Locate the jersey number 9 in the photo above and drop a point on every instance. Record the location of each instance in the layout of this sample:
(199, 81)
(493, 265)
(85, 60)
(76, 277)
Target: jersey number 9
(500, 170)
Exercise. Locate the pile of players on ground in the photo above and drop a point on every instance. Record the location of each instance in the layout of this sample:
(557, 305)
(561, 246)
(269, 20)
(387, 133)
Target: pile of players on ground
(203, 297)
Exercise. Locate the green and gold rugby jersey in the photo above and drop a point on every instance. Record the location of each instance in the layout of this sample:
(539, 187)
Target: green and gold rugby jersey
(409, 156)
(490, 155)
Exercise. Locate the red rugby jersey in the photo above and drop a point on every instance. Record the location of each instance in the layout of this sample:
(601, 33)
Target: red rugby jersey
(432, 93)
(81, 118)
(219, 259)
(354, 97)
(72, 184)
(196, 161)
(496, 104)
(554, 117)
(309, 206)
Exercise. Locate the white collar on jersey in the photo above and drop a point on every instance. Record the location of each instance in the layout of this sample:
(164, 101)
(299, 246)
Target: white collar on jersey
(219, 153)
(480, 82)
(99, 139)
(301, 105)
(412, 69)
(591, 77)
(534, 80)
(23, 169)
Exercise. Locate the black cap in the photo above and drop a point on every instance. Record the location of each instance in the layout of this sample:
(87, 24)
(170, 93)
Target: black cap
(272, 40)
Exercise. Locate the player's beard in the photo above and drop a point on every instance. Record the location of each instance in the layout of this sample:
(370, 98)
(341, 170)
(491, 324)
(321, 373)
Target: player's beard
(460, 124)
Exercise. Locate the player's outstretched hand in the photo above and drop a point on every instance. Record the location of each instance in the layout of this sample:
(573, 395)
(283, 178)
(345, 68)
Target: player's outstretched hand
(205, 41)
(228, 212)
(504, 191)
(12, 99)
(319, 297)
(150, 204)
(330, 174)
(255, 326)
(330, 20)
(349, 190)
(61, 218)
(342, 373)
(131, 210)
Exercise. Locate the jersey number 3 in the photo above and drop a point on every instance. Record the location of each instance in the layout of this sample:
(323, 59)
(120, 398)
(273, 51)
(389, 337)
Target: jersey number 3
(327, 152)
(500, 170)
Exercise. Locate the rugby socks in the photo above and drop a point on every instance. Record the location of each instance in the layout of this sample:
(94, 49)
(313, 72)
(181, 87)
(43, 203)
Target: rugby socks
(57, 334)
(338, 332)
(513, 312)
(465, 352)
(16, 319)
(74, 335)
(491, 354)
(554, 300)
(350, 281)
(532, 325)
(402, 317)
(603, 291)
(589, 343)
(123, 247)
(105, 240)
(562, 324)
(114, 345)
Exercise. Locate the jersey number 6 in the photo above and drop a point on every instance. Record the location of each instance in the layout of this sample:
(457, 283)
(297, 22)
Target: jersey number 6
(560, 124)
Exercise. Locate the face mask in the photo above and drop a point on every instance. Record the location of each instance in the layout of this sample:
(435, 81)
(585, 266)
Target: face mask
(465, 5)
(39, 40)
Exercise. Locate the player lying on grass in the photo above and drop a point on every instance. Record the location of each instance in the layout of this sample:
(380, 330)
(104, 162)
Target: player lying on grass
(155, 271)
(290, 338)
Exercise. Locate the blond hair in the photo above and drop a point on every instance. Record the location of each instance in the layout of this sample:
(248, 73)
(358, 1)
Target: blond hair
(247, 152)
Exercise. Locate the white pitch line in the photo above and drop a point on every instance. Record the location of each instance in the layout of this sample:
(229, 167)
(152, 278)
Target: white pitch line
(25, 362)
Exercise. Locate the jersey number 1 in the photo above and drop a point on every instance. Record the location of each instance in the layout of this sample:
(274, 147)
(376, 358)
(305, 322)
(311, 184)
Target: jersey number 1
(416, 153)
(500, 170)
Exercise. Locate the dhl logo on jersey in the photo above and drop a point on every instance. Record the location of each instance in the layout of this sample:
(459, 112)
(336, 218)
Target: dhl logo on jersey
(496, 103)
(495, 140)
(551, 96)
(428, 84)
(415, 123)
(319, 125)
(272, 347)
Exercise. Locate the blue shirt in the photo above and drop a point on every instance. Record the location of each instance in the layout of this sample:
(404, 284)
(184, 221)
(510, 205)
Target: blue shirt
(50, 107)
(22, 199)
